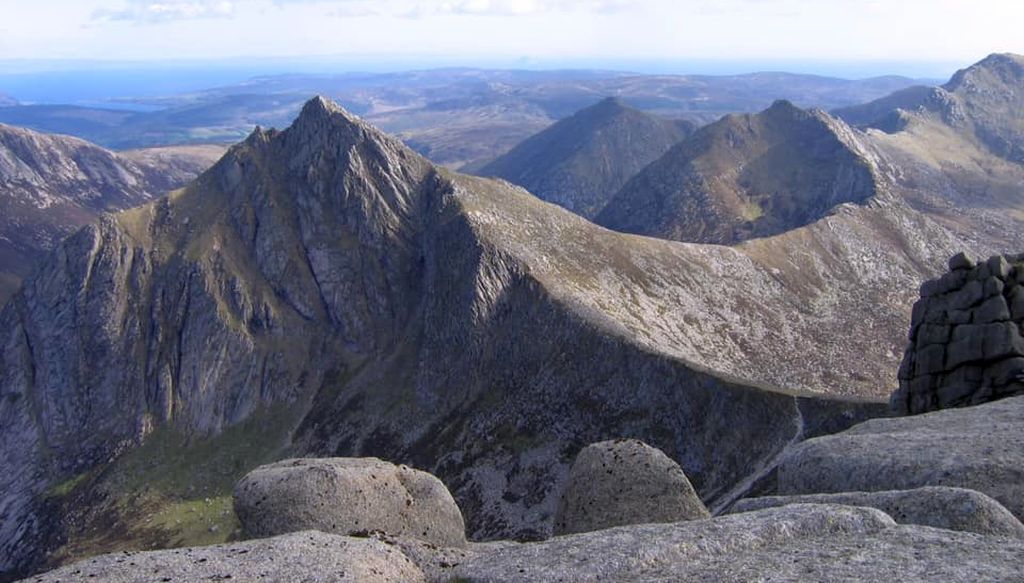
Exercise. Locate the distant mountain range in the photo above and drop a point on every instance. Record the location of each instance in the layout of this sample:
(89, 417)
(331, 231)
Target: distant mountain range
(579, 162)
(51, 185)
(453, 116)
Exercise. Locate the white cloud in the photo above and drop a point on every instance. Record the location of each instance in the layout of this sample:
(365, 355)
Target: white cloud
(148, 11)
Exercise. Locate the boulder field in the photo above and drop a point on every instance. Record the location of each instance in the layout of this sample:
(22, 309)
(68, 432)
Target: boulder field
(632, 516)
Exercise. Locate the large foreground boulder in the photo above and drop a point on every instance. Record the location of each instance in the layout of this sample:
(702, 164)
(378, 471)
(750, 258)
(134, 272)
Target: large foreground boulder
(793, 543)
(980, 448)
(348, 496)
(300, 556)
(625, 481)
(938, 506)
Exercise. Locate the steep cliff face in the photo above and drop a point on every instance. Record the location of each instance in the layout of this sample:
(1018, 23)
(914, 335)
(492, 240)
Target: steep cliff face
(580, 162)
(747, 176)
(51, 185)
(392, 309)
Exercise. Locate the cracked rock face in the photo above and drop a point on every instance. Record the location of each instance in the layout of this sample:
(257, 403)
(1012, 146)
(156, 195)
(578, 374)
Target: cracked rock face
(51, 185)
(348, 496)
(625, 481)
(966, 345)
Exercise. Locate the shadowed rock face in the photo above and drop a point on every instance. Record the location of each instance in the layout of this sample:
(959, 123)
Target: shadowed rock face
(456, 324)
(51, 185)
(966, 345)
(580, 162)
(746, 176)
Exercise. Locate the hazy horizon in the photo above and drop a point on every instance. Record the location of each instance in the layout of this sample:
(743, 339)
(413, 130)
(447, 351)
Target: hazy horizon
(845, 38)
(93, 82)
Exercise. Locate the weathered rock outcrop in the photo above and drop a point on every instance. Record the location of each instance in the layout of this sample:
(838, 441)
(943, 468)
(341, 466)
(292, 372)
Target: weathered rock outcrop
(580, 162)
(348, 496)
(980, 448)
(300, 556)
(966, 345)
(794, 543)
(937, 506)
(625, 481)
(51, 185)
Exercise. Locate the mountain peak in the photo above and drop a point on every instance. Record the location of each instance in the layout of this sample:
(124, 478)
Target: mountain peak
(784, 107)
(320, 105)
(1004, 68)
(322, 111)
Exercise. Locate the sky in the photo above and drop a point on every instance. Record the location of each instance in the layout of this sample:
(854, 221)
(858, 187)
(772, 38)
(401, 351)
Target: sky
(914, 37)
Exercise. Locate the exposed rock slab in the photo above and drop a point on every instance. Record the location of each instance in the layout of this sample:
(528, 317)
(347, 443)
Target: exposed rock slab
(625, 481)
(348, 496)
(793, 543)
(300, 556)
(936, 506)
(980, 448)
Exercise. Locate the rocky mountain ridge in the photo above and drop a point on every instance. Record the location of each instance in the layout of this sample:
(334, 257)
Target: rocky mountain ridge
(51, 185)
(330, 289)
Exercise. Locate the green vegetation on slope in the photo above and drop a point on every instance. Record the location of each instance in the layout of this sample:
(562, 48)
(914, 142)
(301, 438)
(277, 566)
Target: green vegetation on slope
(172, 491)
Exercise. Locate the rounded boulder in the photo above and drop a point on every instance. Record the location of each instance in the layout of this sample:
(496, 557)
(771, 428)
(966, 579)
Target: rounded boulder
(625, 481)
(348, 496)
